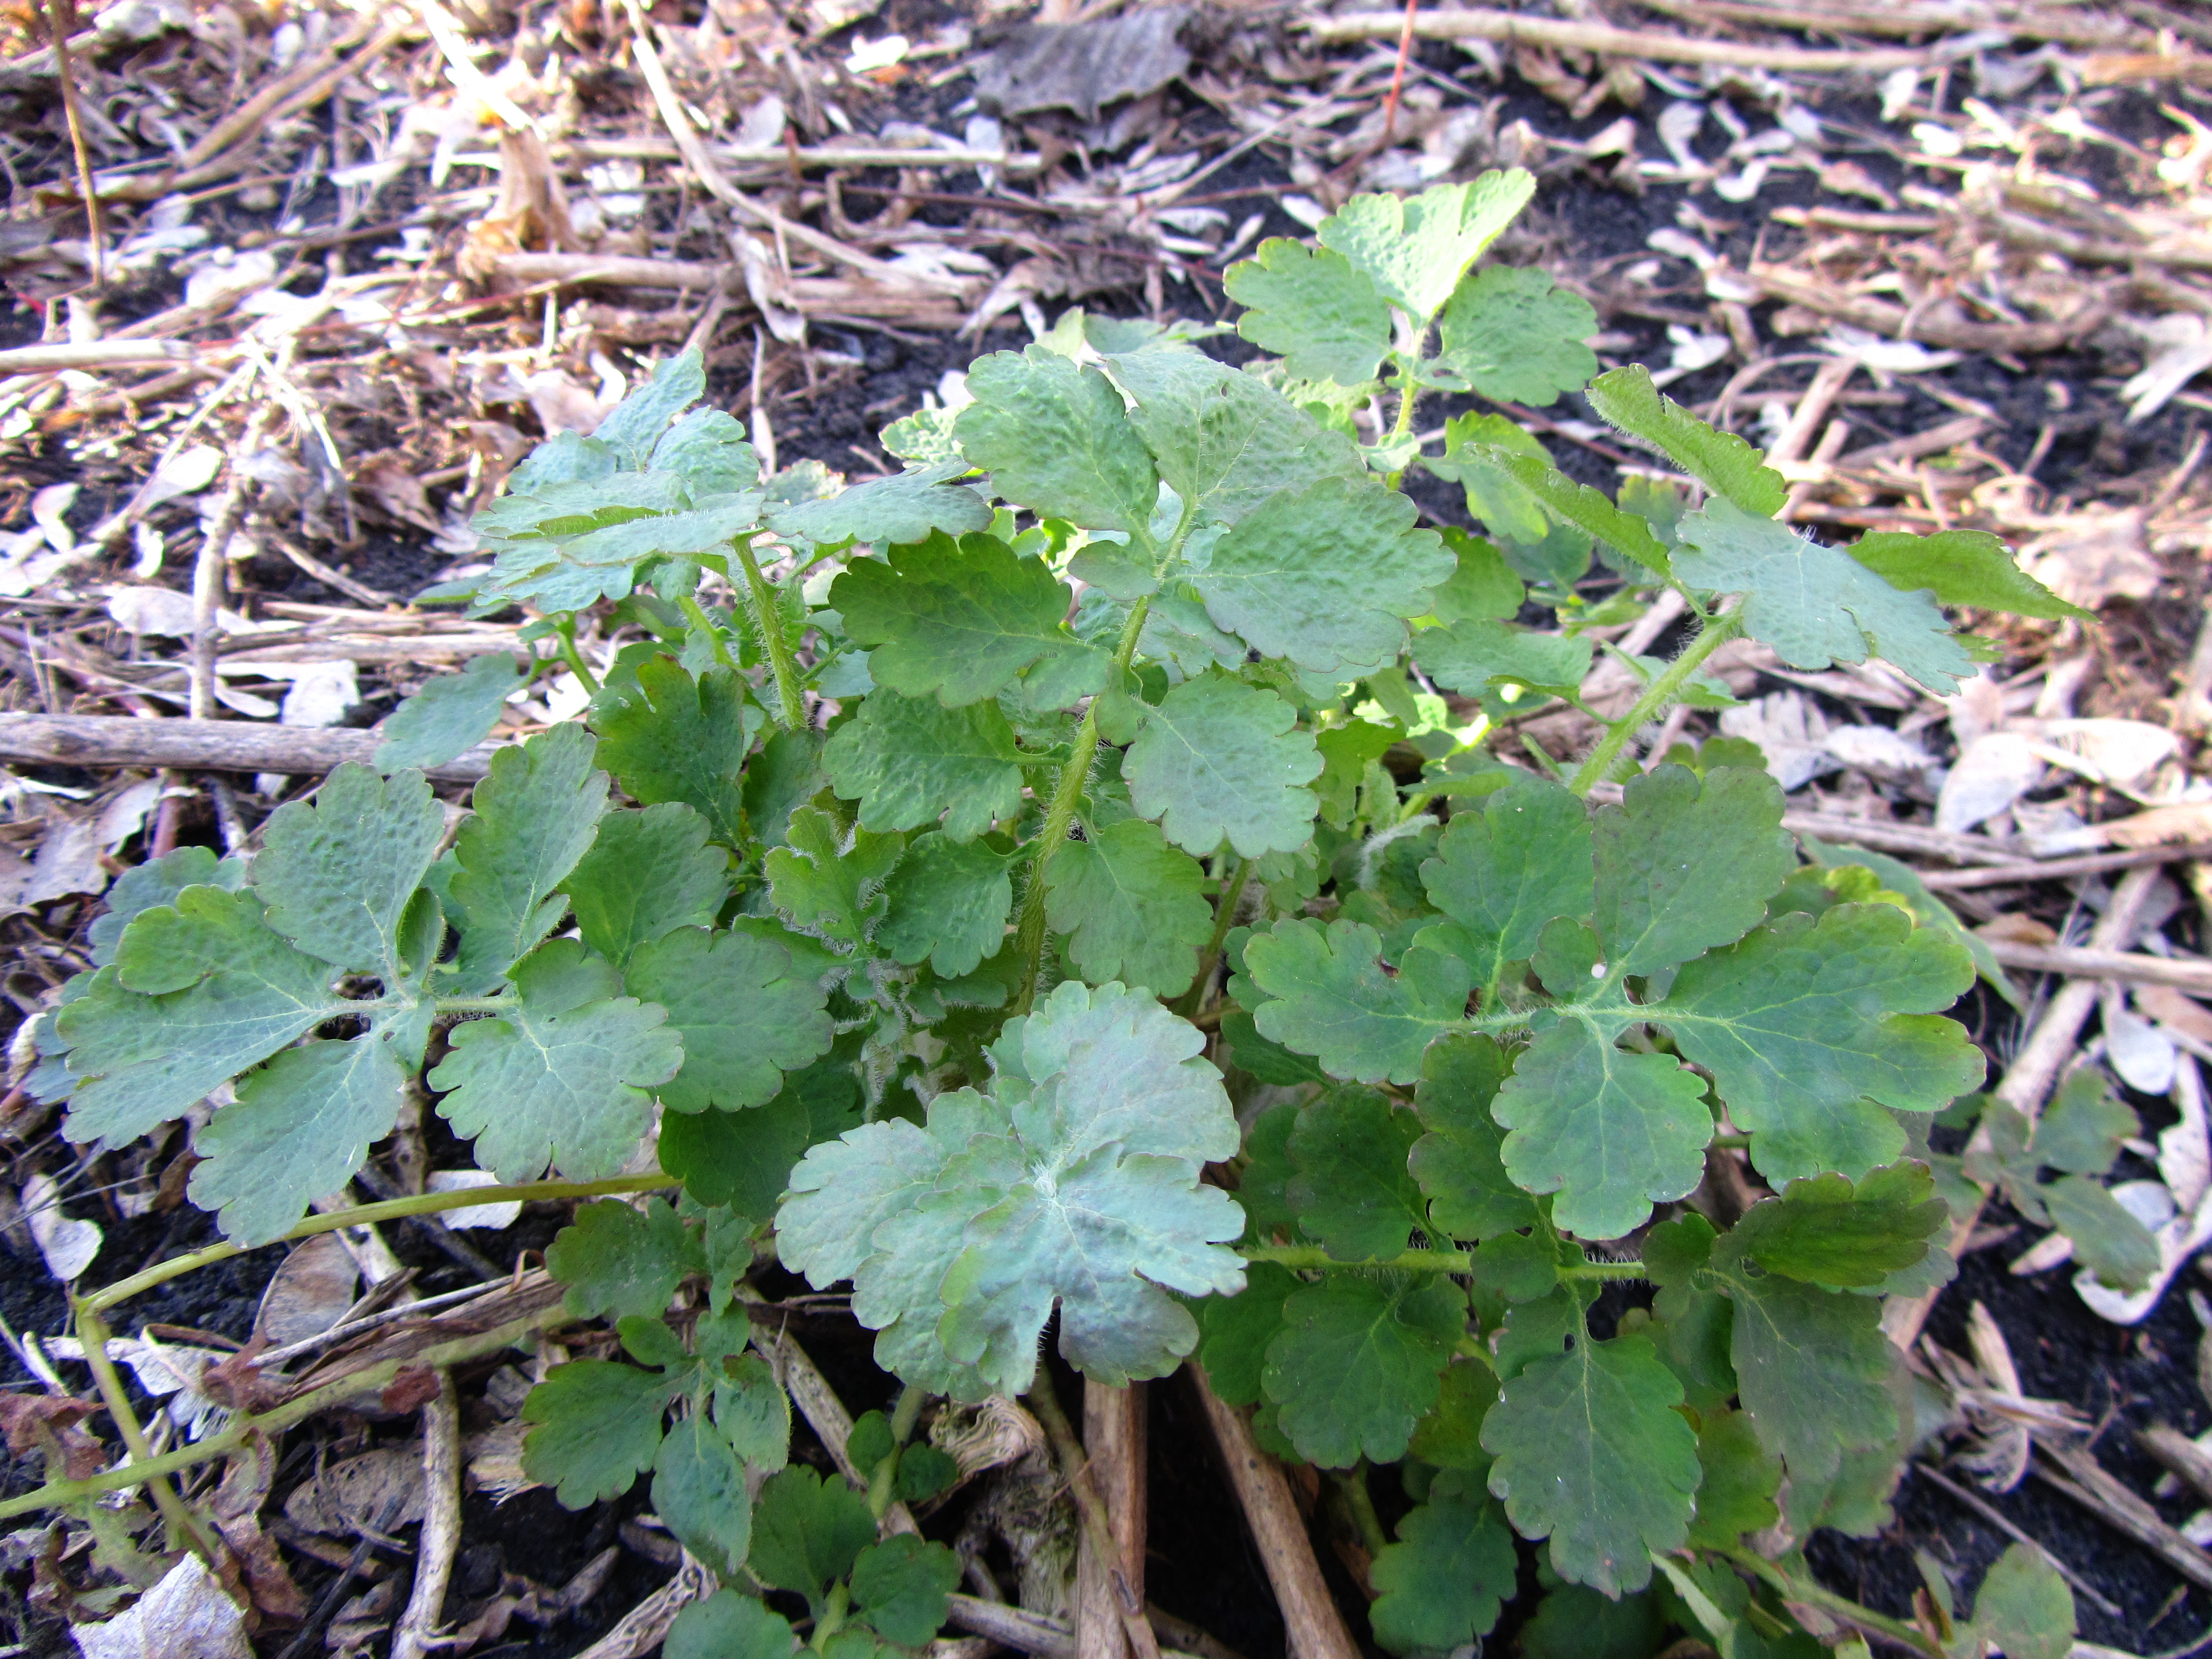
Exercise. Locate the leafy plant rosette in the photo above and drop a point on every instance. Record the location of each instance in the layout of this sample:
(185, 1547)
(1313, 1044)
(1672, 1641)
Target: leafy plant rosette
(889, 875)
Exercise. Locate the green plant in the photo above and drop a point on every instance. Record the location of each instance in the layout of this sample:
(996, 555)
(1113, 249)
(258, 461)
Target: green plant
(925, 994)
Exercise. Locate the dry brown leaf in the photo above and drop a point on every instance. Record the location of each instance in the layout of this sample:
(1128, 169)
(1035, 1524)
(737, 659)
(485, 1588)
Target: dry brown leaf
(309, 1294)
(2177, 1011)
(2086, 558)
(374, 1492)
(2160, 826)
(186, 1616)
(2018, 930)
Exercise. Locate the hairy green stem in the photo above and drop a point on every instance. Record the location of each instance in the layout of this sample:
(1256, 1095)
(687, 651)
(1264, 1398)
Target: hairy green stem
(391, 1209)
(369, 1380)
(834, 1610)
(184, 1525)
(1224, 918)
(1074, 777)
(564, 630)
(882, 1479)
(697, 615)
(1305, 1257)
(767, 617)
(1656, 697)
(1812, 1594)
(1361, 1502)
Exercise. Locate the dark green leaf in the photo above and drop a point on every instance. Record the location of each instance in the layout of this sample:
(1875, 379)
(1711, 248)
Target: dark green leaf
(615, 1258)
(1517, 338)
(2084, 1127)
(1312, 309)
(1335, 1002)
(728, 1626)
(597, 1429)
(1824, 1231)
(744, 1014)
(910, 761)
(1055, 438)
(948, 901)
(1740, 1479)
(1133, 907)
(1458, 1163)
(1353, 1193)
(683, 740)
(335, 872)
(450, 715)
(1626, 398)
(648, 873)
(808, 1531)
(899, 1588)
(1218, 759)
(1357, 1363)
(1685, 864)
(536, 815)
(1505, 868)
(1439, 1586)
(1960, 567)
(699, 1491)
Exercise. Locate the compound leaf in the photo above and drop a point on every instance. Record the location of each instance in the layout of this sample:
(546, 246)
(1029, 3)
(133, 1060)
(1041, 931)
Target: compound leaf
(1960, 567)
(948, 901)
(910, 761)
(1612, 1131)
(598, 1427)
(830, 881)
(1626, 398)
(1218, 758)
(634, 426)
(743, 1013)
(648, 873)
(1592, 1455)
(1502, 870)
(699, 1491)
(336, 870)
(1353, 1193)
(536, 814)
(562, 1079)
(1459, 1164)
(899, 1588)
(1807, 1018)
(1825, 1231)
(905, 507)
(1516, 337)
(1416, 249)
(1685, 864)
(681, 740)
(157, 882)
(1312, 309)
(1358, 1362)
(1334, 1000)
(728, 1626)
(1325, 575)
(1441, 1584)
(617, 1259)
(1055, 438)
(1471, 657)
(1133, 908)
(957, 621)
(449, 714)
(1816, 605)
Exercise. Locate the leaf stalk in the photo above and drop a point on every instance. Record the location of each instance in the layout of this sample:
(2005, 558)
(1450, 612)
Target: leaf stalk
(1656, 698)
(767, 617)
(184, 1525)
(1812, 1594)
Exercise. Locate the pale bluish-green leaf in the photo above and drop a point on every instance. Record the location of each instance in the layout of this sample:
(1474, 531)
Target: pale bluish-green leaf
(1440, 1585)
(1516, 337)
(955, 620)
(1133, 908)
(536, 814)
(1332, 999)
(648, 873)
(1817, 605)
(708, 450)
(449, 715)
(299, 1128)
(1806, 1018)
(563, 1079)
(336, 870)
(1960, 567)
(158, 881)
(681, 740)
(699, 1493)
(1610, 1131)
(905, 507)
(1471, 657)
(1415, 249)
(1312, 309)
(743, 1012)
(1592, 1455)
(1627, 399)
(618, 1258)
(1055, 439)
(948, 902)
(1459, 1164)
(200, 990)
(1218, 759)
(1358, 1362)
(1325, 575)
(910, 761)
(925, 437)
(635, 424)
(1685, 864)
(1505, 868)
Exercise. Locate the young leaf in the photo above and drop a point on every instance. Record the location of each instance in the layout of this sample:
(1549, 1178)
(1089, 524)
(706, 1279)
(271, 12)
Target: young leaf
(536, 814)
(1517, 338)
(957, 621)
(2083, 1128)
(1627, 399)
(807, 1532)
(1960, 567)
(1440, 1585)
(1133, 908)
(743, 1013)
(1740, 1480)
(1504, 870)
(905, 507)
(2108, 1241)
(1459, 1164)
(1592, 1455)
(1824, 1231)
(598, 1428)
(1356, 1365)
(1685, 864)
(728, 1626)
(220, 992)
(1807, 1020)
(708, 450)
(899, 1586)
(617, 1259)
(1312, 309)
(1218, 758)
(1472, 657)
(335, 872)
(1334, 1000)
(948, 902)
(830, 882)
(449, 715)
(910, 761)
(1610, 1131)
(681, 740)
(1056, 439)
(2023, 1608)
(648, 873)
(1325, 575)
(699, 1491)
(1816, 605)
(562, 1079)
(1353, 1194)
(1096, 1202)
(1416, 249)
